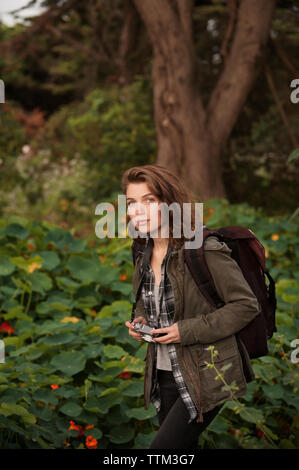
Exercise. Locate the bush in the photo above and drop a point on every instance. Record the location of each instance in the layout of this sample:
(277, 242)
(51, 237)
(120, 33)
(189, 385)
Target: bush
(73, 377)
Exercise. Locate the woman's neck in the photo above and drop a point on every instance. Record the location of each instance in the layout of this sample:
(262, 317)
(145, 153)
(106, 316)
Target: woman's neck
(160, 244)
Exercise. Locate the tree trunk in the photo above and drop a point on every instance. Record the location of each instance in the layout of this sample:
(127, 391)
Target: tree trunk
(191, 138)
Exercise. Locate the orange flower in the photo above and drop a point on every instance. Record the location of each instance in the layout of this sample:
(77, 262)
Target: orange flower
(123, 277)
(101, 258)
(70, 319)
(77, 427)
(274, 237)
(30, 247)
(54, 387)
(91, 443)
(124, 375)
(211, 210)
(81, 430)
(7, 328)
(33, 267)
(89, 426)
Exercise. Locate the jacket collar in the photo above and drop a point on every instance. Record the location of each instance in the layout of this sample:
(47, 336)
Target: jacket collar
(147, 253)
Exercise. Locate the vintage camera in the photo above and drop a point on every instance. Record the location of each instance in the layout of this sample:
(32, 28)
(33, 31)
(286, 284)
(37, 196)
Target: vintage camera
(145, 332)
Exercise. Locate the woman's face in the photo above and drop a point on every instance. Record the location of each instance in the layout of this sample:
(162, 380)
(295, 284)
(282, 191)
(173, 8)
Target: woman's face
(143, 208)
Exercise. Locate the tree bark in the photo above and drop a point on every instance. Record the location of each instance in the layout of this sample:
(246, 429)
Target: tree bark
(127, 41)
(191, 138)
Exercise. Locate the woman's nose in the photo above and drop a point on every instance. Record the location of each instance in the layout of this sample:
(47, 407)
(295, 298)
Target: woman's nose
(140, 208)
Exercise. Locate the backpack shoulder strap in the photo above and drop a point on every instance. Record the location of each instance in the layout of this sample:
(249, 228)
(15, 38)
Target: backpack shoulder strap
(199, 270)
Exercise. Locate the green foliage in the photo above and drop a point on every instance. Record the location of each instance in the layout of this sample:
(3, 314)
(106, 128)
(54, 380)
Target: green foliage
(90, 145)
(69, 334)
(267, 416)
(75, 76)
(61, 296)
(12, 136)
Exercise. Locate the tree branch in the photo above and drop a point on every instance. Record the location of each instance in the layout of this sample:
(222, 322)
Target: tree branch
(280, 106)
(241, 66)
(283, 57)
(169, 42)
(77, 44)
(232, 6)
(127, 39)
(185, 9)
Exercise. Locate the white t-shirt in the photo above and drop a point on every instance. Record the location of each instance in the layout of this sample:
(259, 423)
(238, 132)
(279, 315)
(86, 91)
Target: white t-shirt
(163, 361)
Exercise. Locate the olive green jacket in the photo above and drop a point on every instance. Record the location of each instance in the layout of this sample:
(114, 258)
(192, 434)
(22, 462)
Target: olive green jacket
(201, 326)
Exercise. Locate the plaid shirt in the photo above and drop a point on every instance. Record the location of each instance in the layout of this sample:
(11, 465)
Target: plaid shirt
(166, 302)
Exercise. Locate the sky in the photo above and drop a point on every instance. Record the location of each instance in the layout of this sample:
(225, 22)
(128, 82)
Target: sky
(7, 5)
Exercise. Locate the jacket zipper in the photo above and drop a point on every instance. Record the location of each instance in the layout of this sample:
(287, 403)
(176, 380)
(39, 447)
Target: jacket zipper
(189, 369)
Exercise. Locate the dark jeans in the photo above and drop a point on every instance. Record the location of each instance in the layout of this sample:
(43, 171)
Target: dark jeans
(175, 432)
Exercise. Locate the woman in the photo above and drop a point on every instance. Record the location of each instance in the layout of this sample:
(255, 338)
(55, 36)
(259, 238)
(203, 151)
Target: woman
(177, 380)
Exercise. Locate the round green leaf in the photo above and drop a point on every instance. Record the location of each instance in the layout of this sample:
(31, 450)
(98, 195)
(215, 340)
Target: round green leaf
(56, 340)
(273, 393)
(86, 270)
(107, 402)
(121, 434)
(17, 231)
(50, 259)
(114, 351)
(95, 433)
(218, 425)
(46, 396)
(141, 413)
(8, 409)
(40, 282)
(124, 287)
(71, 408)
(6, 266)
(252, 415)
(134, 390)
(143, 441)
(64, 241)
(70, 363)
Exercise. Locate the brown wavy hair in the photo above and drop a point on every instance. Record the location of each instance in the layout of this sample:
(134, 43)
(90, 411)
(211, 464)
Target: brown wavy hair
(168, 188)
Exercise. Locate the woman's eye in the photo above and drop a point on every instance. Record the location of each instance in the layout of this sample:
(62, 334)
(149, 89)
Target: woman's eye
(148, 199)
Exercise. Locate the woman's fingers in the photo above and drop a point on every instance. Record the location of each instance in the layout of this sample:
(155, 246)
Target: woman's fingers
(132, 332)
(172, 334)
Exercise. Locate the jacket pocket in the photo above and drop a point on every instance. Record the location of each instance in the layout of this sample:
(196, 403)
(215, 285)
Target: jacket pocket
(222, 370)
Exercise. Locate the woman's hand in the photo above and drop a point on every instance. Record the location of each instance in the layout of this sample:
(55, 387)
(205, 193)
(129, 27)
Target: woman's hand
(172, 336)
(131, 328)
